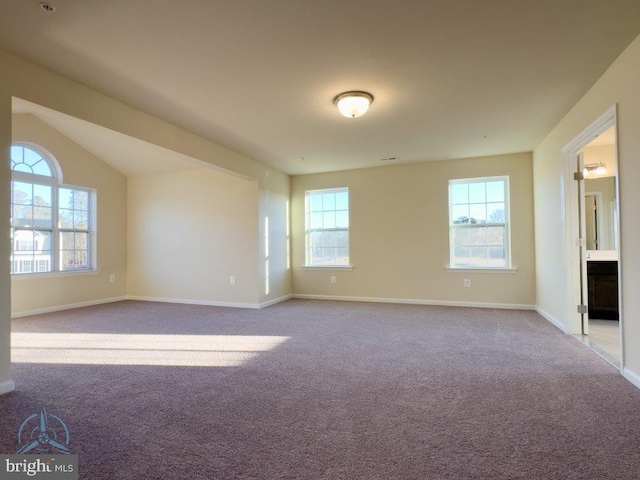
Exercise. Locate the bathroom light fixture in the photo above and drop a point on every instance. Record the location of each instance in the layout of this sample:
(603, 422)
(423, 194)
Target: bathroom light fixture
(353, 104)
(595, 169)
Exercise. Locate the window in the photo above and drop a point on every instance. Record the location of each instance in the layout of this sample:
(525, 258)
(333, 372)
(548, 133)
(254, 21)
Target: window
(327, 227)
(479, 223)
(50, 224)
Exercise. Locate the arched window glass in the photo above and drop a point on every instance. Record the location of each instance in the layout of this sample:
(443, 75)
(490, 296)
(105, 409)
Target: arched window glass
(27, 160)
(50, 223)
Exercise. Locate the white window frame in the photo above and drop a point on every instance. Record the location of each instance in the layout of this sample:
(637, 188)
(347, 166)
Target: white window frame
(507, 226)
(54, 182)
(308, 230)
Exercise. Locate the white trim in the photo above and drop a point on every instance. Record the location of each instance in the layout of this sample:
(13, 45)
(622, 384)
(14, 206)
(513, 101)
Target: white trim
(70, 306)
(327, 267)
(57, 274)
(555, 322)
(275, 300)
(417, 301)
(189, 301)
(8, 386)
(480, 270)
(631, 376)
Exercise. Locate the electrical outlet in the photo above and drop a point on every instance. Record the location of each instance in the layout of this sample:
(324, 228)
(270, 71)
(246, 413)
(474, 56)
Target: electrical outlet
(333, 279)
(232, 280)
(112, 278)
(467, 282)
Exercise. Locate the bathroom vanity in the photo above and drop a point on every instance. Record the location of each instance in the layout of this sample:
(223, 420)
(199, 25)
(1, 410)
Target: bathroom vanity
(602, 281)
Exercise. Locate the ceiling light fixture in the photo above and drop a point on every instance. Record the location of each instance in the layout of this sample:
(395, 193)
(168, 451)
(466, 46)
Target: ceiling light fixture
(595, 169)
(353, 104)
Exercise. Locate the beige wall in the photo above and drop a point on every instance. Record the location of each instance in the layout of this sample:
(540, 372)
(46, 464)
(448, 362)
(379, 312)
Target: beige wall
(79, 168)
(399, 237)
(274, 199)
(6, 383)
(188, 232)
(618, 85)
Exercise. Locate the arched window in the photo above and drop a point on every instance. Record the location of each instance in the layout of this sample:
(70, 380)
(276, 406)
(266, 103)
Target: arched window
(50, 222)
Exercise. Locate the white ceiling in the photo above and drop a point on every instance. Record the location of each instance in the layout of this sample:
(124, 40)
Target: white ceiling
(451, 78)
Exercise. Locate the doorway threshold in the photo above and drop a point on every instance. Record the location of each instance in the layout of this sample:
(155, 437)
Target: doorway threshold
(612, 359)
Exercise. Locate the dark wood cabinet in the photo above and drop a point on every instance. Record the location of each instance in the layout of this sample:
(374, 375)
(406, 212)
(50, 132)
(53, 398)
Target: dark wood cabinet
(602, 281)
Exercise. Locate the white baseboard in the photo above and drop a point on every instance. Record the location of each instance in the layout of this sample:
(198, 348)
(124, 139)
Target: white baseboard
(6, 387)
(69, 306)
(275, 300)
(632, 377)
(551, 319)
(412, 301)
(188, 301)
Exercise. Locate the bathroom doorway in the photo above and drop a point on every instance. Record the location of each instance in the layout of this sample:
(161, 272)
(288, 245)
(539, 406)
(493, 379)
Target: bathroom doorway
(592, 248)
(600, 208)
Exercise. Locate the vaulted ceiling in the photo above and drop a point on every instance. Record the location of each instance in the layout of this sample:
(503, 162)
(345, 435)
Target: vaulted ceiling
(451, 78)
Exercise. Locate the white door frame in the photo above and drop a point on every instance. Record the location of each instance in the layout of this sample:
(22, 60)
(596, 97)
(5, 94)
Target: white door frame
(570, 217)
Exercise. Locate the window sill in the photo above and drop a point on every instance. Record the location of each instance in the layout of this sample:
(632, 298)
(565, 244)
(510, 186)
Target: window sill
(327, 267)
(481, 270)
(71, 273)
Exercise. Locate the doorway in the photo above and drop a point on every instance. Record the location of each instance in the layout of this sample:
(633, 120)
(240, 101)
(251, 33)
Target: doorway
(592, 244)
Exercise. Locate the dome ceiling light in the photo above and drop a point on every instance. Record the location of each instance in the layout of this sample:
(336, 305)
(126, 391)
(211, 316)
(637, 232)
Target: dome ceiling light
(353, 104)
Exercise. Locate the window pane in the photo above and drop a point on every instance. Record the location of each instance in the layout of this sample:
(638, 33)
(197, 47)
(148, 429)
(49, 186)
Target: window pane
(477, 193)
(328, 201)
(329, 239)
(342, 256)
(459, 193)
(31, 157)
(16, 154)
(22, 193)
(65, 218)
(42, 168)
(467, 236)
(81, 220)
(42, 195)
(460, 214)
(461, 256)
(495, 235)
(329, 220)
(495, 191)
(496, 257)
(316, 202)
(42, 217)
(316, 220)
(342, 239)
(81, 200)
(67, 241)
(342, 201)
(478, 256)
(65, 198)
(81, 240)
(22, 216)
(342, 219)
(478, 213)
(496, 213)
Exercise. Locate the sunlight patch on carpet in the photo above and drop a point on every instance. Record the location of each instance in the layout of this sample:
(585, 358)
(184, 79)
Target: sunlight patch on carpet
(137, 349)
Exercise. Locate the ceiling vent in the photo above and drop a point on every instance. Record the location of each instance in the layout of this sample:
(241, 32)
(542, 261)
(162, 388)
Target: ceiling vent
(47, 8)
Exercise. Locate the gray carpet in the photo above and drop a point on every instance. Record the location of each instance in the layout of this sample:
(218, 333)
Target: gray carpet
(352, 391)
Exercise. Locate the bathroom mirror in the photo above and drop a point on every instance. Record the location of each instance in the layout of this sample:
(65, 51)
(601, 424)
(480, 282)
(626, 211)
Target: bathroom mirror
(600, 213)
